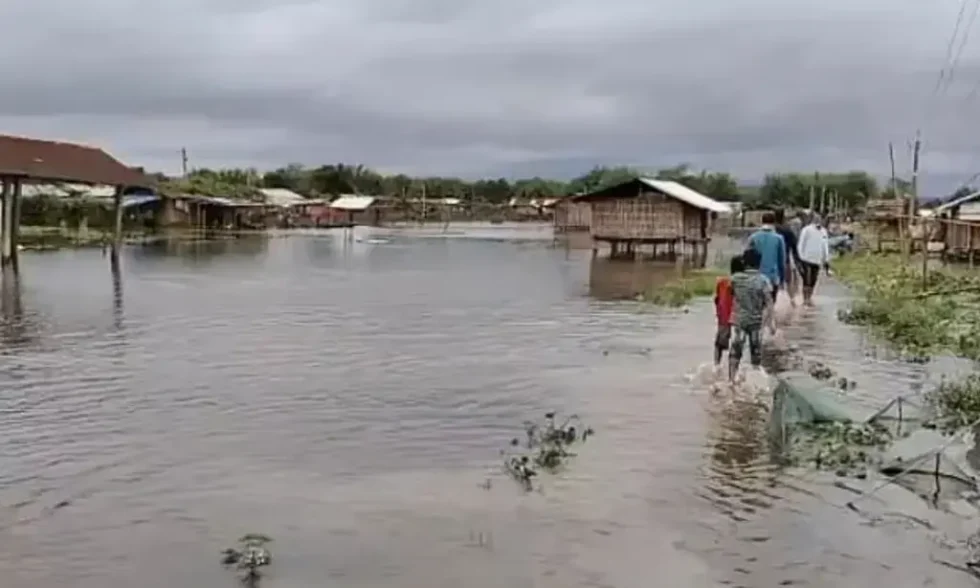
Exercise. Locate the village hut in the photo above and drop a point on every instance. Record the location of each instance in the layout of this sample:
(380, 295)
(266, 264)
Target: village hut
(571, 216)
(206, 213)
(349, 210)
(281, 197)
(26, 161)
(886, 220)
(657, 213)
(959, 225)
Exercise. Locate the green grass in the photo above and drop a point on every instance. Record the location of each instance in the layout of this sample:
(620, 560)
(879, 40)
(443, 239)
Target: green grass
(919, 318)
(684, 288)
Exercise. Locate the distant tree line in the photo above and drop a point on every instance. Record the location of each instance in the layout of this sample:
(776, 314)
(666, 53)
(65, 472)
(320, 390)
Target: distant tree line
(849, 189)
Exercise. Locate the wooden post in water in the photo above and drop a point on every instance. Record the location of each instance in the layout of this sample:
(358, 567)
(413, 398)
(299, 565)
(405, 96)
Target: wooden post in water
(117, 209)
(6, 233)
(16, 202)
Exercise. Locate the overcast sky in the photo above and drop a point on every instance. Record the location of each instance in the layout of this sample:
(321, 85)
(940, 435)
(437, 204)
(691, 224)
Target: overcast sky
(494, 87)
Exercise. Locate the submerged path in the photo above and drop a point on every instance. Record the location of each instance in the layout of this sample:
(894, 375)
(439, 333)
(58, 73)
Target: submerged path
(349, 400)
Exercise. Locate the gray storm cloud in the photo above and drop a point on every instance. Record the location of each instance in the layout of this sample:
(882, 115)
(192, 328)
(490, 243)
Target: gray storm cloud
(442, 87)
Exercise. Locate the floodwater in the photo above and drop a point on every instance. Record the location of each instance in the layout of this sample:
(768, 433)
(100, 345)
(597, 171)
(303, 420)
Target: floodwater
(350, 398)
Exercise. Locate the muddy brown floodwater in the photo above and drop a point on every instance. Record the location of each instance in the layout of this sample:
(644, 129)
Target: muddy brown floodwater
(350, 399)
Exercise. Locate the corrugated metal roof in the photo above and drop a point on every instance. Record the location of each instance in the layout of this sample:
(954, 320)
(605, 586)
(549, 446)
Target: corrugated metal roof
(685, 194)
(437, 201)
(65, 189)
(352, 202)
(281, 196)
(130, 201)
(954, 203)
(219, 201)
(666, 187)
(66, 162)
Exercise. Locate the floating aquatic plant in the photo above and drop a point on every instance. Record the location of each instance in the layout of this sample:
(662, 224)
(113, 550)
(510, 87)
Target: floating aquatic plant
(682, 289)
(250, 555)
(545, 446)
(919, 317)
(956, 402)
(849, 449)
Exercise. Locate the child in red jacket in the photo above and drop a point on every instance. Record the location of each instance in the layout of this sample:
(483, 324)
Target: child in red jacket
(724, 302)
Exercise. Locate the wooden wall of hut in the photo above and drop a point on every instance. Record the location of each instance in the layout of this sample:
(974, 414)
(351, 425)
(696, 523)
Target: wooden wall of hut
(650, 217)
(572, 216)
(961, 239)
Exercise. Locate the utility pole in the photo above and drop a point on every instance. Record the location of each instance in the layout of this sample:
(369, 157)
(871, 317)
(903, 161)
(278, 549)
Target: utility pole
(891, 159)
(903, 230)
(183, 161)
(914, 207)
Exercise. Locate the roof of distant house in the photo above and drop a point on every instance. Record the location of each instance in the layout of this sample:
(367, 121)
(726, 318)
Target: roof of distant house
(667, 187)
(281, 196)
(355, 203)
(64, 162)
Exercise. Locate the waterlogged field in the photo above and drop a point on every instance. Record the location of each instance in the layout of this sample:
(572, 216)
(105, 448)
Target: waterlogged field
(350, 398)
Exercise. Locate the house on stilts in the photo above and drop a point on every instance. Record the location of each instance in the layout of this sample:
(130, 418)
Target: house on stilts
(662, 215)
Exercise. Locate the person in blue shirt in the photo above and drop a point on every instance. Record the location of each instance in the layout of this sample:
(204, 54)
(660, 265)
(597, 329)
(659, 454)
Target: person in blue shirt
(772, 250)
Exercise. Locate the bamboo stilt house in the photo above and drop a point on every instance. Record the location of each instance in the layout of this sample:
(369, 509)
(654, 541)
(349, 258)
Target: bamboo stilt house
(657, 213)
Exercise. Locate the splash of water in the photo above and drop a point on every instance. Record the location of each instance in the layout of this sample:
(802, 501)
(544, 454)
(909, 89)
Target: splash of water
(750, 383)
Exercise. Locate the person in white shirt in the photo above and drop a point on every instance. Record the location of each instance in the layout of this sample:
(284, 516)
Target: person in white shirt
(814, 250)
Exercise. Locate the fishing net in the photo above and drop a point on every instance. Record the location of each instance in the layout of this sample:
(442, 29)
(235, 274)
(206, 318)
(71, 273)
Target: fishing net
(929, 453)
(802, 399)
(812, 422)
(799, 398)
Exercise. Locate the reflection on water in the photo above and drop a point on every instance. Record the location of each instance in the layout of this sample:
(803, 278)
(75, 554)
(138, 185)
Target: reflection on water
(117, 292)
(349, 400)
(615, 279)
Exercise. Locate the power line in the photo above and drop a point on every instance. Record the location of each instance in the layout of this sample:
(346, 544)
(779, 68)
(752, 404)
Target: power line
(954, 52)
(963, 41)
(949, 48)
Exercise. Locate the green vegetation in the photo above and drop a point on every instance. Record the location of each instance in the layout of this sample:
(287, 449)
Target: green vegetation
(921, 318)
(250, 555)
(784, 189)
(545, 446)
(956, 402)
(847, 448)
(684, 288)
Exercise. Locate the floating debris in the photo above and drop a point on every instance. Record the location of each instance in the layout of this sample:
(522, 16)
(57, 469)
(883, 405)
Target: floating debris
(820, 371)
(823, 372)
(250, 555)
(545, 446)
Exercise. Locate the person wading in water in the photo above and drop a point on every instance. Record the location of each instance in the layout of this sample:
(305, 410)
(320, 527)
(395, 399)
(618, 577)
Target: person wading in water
(814, 254)
(772, 251)
(792, 255)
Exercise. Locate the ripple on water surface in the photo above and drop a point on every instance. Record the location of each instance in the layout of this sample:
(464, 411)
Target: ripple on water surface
(349, 400)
